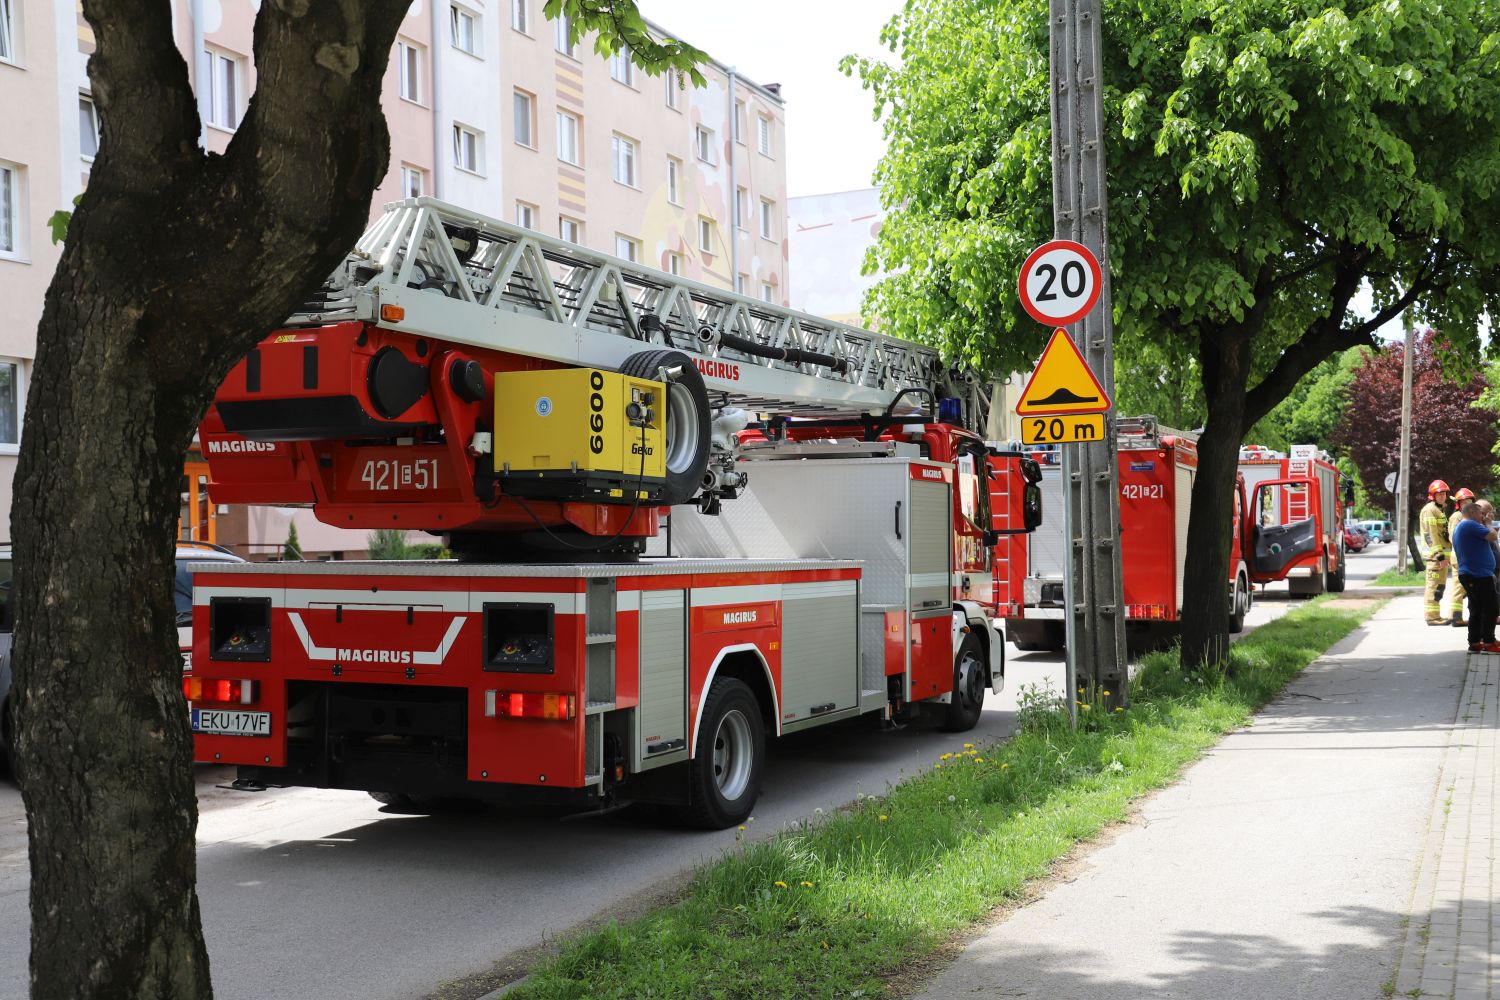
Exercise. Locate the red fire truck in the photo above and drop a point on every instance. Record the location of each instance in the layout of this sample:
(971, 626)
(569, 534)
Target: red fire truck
(831, 548)
(1297, 504)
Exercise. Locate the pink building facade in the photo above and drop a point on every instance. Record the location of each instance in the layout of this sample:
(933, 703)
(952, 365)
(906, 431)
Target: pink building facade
(489, 106)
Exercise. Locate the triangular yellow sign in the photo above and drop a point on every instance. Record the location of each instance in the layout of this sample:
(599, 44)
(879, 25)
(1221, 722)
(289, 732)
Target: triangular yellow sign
(1062, 383)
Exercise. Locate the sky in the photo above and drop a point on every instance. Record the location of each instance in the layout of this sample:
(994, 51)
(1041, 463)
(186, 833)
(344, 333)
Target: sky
(832, 142)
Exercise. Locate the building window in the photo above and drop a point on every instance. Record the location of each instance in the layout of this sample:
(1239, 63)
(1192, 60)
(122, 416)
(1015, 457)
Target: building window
(465, 29)
(12, 404)
(624, 159)
(739, 122)
(525, 215)
(627, 248)
(88, 127)
(524, 106)
(563, 29)
(705, 234)
(409, 65)
(7, 33)
(740, 195)
(621, 68)
(674, 263)
(767, 291)
(468, 149)
(223, 89)
(674, 180)
(739, 282)
(763, 135)
(703, 141)
(520, 16)
(674, 86)
(411, 182)
(767, 219)
(567, 138)
(10, 210)
(570, 229)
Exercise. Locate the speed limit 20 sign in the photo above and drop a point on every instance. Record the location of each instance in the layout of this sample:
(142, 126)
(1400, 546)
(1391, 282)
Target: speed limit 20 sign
(1060, 282)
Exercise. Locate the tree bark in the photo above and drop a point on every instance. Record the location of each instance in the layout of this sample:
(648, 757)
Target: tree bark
(176, 263)
(1224, 356)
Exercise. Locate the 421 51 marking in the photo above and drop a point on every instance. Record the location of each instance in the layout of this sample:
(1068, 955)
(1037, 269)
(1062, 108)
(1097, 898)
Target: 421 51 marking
(385, 474)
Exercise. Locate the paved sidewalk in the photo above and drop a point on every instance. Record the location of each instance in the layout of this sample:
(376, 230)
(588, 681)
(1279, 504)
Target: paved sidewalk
(1340, 846)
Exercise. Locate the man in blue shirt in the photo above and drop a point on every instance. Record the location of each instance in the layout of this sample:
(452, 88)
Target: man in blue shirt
(1476, 571)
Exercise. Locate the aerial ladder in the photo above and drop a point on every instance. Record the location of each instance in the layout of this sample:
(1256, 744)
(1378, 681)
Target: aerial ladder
(373, 403)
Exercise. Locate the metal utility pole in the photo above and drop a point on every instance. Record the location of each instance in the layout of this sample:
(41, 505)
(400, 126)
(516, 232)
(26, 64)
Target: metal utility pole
(1095, 617)
(1403, 486)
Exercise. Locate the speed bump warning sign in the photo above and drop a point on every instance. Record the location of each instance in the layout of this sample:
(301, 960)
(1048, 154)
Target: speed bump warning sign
(1062, 384)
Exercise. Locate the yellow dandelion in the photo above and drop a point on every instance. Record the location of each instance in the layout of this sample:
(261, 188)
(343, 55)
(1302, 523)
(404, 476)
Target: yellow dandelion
(1106, 694)
(742, 826)
(1004, 766)
(1119, 710)
(807, 885)
(780, 884)
(825, 945)
(968, 746)
(883, 817)
(946, 756)
(979, 760)
(1084, 707)
(938, 765)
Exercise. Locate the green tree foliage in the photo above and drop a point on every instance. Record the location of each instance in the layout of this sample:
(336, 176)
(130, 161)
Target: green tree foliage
(292, 550)
(389, 543)
(1266, 158)
(1312, 410)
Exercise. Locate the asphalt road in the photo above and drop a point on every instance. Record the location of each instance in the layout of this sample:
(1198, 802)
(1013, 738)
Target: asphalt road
(311, 893)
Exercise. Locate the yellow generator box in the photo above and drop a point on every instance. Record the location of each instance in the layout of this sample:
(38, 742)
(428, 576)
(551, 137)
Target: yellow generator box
(580, 434)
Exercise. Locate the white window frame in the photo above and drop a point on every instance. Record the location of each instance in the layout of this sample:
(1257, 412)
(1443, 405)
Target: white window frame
(84, 97)
(562, 36)
(565, 221)
(763, 135)
(577, 138)
(13, 210)
(674, 88)
(705, 234)
(526, 215)
(767, 219)
(517, 96)
(625, 153)
(741, 199)
(457, 13)
(8, 447)
(409, 70)
(621, 69)
(8, 33)
(520, 16)
(767, 291)
(674, 180)
(410, 174)
(459, 132)
(739, 118)
(674, 263)
(703, 143)
(214, 99)
(627, 248)
(739, 282)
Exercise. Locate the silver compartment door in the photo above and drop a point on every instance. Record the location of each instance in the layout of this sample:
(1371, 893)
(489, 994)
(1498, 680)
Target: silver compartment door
(929, 546)
(819, 648)
(663, 665)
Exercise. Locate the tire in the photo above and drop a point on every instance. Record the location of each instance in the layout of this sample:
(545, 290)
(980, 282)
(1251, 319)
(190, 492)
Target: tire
(1337, 579)
(1240, 605)
(688, 427)
(967, 701)
(729, 758)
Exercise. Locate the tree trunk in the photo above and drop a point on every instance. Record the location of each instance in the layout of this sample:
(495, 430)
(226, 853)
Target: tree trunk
(1413, 549)
(177, 262)
(1225, 360)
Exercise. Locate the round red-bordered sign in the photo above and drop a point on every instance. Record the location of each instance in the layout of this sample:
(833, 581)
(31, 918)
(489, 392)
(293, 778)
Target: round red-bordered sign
(1060, 282)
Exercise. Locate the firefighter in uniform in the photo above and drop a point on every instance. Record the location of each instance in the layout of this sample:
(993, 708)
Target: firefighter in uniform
(1455, 589)
(1433, 522)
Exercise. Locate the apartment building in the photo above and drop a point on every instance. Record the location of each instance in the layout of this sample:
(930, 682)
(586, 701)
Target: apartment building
(489, 105)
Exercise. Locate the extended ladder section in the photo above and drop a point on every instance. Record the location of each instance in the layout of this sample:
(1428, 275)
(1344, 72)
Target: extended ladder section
(434, 270)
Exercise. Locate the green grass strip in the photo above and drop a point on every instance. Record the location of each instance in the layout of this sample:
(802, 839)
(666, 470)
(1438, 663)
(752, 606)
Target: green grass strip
(1391, 578)
(828, 908)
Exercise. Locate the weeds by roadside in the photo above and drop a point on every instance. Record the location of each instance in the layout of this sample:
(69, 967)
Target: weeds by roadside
(828, 908)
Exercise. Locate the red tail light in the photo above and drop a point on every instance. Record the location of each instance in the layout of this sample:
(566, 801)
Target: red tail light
(222, 691)
(529, 705)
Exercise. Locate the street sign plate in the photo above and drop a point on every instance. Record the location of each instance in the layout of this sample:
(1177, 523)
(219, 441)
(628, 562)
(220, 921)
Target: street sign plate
(1062, 383)
(1060, 282)
(1390, 482)
(1076, 429)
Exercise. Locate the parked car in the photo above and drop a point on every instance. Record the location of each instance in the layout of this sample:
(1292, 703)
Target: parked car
(187, 552)
(1355, 540)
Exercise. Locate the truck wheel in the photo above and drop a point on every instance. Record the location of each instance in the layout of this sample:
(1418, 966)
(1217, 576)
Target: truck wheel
(728, 760)
(1337, 579)
(688, 428)
(967, 700)
(1240, 605)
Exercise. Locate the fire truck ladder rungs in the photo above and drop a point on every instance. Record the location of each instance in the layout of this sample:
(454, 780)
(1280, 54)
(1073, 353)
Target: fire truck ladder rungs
(431, 269)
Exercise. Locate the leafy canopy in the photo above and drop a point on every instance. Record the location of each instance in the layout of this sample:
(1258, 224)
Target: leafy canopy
(1265, 157)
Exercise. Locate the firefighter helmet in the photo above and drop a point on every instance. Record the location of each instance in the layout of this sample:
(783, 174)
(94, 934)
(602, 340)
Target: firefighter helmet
(1463, 493)
(1435, 487)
